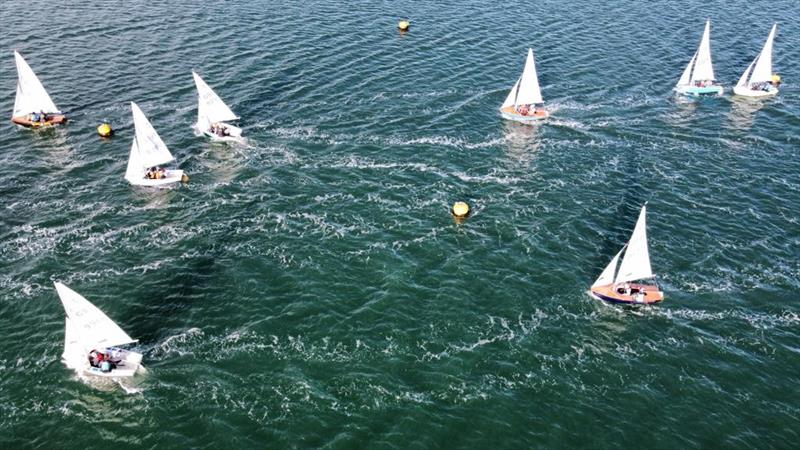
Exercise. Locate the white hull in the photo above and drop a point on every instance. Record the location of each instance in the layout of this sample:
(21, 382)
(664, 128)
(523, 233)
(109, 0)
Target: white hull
(746, 92)
(523, 119)
(234, 134)
(128, 363)
(172, 176)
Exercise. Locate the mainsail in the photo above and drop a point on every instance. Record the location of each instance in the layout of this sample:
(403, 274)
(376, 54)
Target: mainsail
(147, 150)
(762, 72)
(87, 327)
(210, 107)
(703, 69)
(529, 92)
(526, 90)
(31, 95)
(636, 262)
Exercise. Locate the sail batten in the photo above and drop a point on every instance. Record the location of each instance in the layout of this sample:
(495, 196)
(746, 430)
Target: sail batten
(210, 107)
(635, 264)
(31, 95)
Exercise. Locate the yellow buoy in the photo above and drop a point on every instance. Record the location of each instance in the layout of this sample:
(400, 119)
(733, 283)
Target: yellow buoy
(403, 25)
(105, 130)
(776, 78)
(184, 178)
(460, 209)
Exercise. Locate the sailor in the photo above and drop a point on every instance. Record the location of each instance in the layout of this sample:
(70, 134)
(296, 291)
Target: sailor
(627, 289)
(43, 116)
(93, 358)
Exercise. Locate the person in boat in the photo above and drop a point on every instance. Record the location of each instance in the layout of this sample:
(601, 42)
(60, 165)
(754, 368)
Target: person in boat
(106, 363)
(93, 358)
(524, 109)
(155, 173)
(43, 116)
(34, 117)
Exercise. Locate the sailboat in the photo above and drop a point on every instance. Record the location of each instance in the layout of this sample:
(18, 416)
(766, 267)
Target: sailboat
(148, 152)
(758, 80)
(524, 103)
(213, 113)
(33, 107)
(88, 334)
(698, 77)
(635, 266)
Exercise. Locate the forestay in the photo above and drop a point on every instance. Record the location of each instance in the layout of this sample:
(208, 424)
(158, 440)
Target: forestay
(31, 95)
(210, 107)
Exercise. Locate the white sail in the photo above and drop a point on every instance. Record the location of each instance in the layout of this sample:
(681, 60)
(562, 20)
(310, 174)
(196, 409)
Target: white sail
(636, 262)
(512, 95)
(74, 353)
(87, 327)
(136, 168)
(703, 69)
(529, 92)
(210, 107)
(31, 95)
(686, 77)
(607, 277)
(745, 75)
(762, 72)
(150, 148)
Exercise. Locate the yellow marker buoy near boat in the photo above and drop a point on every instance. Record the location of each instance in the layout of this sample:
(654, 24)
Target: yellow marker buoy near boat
(105, 130)
(403, 25)
(460, 210)
(776, 79)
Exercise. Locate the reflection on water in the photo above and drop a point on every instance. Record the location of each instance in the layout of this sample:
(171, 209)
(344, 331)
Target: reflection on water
(683, 115)
(743, 112)
(522, 140)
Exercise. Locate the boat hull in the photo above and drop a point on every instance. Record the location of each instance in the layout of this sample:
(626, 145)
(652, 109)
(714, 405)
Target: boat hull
(172, 176)
(696, 91)
(127, 363)
(25, 121)
(510, 113)
(234, 134)
(754, 93)
(611, 294)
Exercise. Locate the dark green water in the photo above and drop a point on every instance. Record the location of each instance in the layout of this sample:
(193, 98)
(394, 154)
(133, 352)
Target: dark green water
(311, 290)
